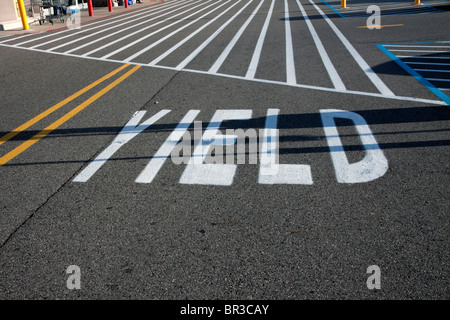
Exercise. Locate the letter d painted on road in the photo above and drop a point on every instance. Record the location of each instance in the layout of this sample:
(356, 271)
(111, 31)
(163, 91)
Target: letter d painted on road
(371, 167)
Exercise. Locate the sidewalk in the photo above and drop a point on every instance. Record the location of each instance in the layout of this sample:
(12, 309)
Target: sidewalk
(99, 13)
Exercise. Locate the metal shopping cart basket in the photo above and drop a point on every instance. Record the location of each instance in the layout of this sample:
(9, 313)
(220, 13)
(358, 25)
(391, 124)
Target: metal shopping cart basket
(56, 9)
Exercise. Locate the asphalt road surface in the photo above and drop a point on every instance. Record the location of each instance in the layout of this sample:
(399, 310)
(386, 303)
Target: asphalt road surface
(103, 166)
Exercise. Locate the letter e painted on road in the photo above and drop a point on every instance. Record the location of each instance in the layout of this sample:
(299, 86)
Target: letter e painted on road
(198, 172)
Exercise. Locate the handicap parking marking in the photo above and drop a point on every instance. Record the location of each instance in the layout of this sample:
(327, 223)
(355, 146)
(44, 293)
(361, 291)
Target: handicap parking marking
(428, 62)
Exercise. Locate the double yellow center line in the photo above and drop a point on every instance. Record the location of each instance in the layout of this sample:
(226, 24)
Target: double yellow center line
(381, 26)
(25, 145)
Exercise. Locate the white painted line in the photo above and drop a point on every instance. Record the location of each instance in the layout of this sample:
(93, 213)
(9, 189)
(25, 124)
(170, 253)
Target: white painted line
(444, 89)
(101, 22)
(428, 63)
(281, 83)
(422, 57)
(220, 174)
(432, 51)
(413, 46)
(372, 166)
(131, 130)
(221, 59)
(115, 27)
(379, 84)
(432, 70)
(270, 171)
(155, 164)
(133, 33)
(290, 63)
(332, 73)
(141, 16)
(352, 92)
(257, 53)
(190, 36)
(152, 33)
(211, 38)
(154, 44)
(19, 37)
(438, 79)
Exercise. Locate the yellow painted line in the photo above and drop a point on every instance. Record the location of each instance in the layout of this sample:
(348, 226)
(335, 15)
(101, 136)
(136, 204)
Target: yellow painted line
(18, 150)
(42, 115)
(383, 26)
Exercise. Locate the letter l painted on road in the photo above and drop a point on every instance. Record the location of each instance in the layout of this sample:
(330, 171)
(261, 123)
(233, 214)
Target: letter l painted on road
(270, 171)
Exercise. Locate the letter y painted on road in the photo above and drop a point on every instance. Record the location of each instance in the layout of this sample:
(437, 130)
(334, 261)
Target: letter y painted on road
(131, 130)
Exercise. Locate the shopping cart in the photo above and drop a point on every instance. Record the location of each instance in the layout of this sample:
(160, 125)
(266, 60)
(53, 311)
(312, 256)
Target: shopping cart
(56, 9)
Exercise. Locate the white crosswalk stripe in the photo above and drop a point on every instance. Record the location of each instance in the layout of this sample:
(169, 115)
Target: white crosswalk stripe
(213, 31)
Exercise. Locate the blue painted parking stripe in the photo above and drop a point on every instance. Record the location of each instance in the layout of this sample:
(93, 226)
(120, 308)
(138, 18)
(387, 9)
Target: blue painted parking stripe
(416, 75)
(335, 11)
(423, 42)
(434, 8)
